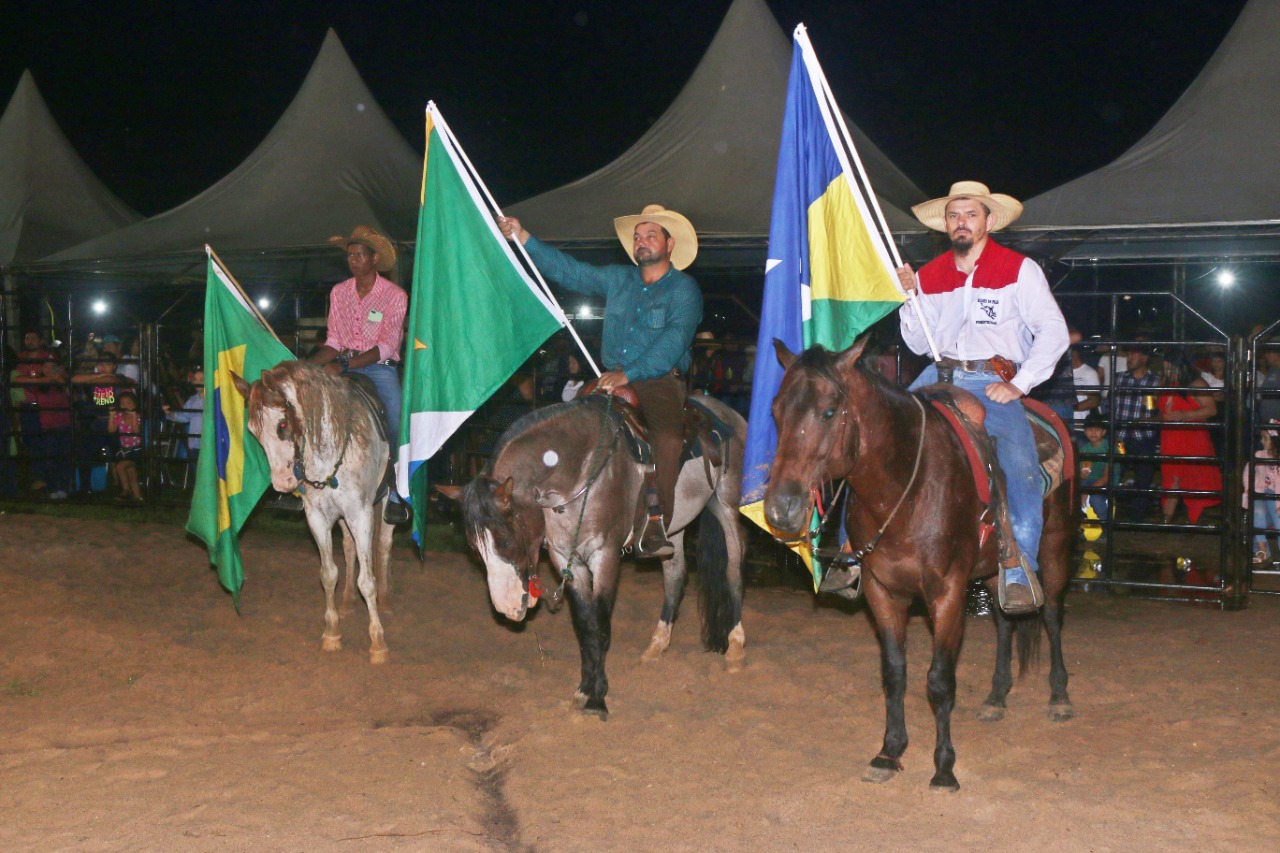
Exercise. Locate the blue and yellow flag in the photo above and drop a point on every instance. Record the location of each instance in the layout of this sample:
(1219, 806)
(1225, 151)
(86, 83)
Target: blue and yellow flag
(232, 472)
(829, 275)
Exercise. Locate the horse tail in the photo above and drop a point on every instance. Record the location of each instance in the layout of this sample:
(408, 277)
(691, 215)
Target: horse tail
(715, 601)
(1028, 638)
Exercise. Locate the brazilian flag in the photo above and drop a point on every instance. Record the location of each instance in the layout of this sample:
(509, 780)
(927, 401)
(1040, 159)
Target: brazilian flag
(232, 473)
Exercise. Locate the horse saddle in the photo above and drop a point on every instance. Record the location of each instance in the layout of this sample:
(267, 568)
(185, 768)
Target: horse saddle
(369, 394)
(705, 433)
(967, 416)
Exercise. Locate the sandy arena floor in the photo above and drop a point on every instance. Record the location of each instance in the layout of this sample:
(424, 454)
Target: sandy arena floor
(139, 712)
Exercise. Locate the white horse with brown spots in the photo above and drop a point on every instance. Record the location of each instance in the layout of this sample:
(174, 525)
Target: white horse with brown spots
(321, 433)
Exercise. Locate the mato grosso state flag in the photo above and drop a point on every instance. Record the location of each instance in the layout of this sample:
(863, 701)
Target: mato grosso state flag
(232, 472)
(829, 275)
(475, 313)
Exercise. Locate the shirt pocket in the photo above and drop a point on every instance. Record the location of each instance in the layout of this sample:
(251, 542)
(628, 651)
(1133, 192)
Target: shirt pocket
(987, 310)
(656, 318)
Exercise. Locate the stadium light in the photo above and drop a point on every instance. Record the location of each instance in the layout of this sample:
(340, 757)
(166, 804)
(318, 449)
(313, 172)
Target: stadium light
(264, 303)
(1226, 278)
(99, 306)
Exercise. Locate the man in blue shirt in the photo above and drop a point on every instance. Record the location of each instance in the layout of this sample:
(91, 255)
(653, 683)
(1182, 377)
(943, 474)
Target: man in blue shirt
(651, 313)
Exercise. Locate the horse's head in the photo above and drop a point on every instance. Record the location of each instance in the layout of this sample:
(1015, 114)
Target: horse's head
(817, 421)
(274, 421)
(507, 531)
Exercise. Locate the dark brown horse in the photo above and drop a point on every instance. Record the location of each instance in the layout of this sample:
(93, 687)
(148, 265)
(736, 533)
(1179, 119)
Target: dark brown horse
(838, 421)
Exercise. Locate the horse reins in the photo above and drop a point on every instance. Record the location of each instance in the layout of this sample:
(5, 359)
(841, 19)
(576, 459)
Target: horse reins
(857, 556)
(300, 470)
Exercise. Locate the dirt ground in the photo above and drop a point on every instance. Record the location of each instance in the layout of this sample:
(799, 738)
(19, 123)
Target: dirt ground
(139, 712)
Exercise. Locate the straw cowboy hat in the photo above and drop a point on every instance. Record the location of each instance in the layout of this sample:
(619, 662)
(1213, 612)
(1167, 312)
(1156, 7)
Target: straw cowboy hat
(933, 213)
(375, 242)
(677, 226)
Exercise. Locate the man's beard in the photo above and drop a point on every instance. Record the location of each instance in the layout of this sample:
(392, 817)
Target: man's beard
(648, 259)
(962, 243)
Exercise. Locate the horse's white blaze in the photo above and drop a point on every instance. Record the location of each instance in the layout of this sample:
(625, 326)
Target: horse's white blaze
(505, 590)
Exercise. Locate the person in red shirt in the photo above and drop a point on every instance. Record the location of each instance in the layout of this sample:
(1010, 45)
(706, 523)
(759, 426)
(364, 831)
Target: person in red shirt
(366, 329)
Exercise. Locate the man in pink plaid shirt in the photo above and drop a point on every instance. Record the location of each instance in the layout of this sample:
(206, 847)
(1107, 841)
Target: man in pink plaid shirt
(366, 328)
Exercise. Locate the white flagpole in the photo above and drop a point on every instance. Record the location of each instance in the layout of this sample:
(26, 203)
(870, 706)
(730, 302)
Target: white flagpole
(831, 113)
(438, 119)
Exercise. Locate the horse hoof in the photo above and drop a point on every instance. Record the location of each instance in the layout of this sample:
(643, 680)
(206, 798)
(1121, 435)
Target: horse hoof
(1061, 713)
(331, 644)
(991, 713)
(377, 656)
(652, 653)
(946, 783)
(735, 657)
(579, 699)
(878, 775)
(596, 709)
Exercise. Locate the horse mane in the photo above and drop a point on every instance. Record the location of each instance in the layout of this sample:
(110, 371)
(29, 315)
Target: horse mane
(537, 417)
(823, 362)
(326, 404)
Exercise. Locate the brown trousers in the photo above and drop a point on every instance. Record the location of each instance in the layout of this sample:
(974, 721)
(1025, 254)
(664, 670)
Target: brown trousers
(662, 404)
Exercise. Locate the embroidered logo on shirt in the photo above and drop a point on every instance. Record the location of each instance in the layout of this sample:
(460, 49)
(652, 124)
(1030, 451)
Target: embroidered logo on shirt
(988, 308)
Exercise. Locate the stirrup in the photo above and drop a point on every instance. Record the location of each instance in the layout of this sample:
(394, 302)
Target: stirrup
(845, 581)
(1033, 583)
(653, 540)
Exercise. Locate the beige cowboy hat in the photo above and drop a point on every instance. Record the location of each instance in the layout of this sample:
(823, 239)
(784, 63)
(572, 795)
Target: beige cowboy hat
(677, 226)
(933, 213)
(366, 236)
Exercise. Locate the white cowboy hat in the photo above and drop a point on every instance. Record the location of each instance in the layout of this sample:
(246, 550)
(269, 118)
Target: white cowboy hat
(677, 226)
(933, 213)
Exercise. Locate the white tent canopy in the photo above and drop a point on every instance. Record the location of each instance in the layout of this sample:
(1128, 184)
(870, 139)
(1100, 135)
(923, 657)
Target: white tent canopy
(333, 161)
(713, 154)
(1204, 179)
(49, 199)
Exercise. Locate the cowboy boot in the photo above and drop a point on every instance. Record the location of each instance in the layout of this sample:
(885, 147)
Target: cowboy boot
(653, 539)
(1015, 599)
(396, 511)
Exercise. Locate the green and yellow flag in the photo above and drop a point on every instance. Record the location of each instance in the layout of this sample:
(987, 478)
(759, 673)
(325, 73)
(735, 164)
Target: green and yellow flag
(232, 473)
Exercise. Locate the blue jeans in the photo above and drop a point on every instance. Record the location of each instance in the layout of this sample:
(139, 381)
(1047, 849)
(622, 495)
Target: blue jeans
(1016, 452)
(1264, 518)
(386, 380)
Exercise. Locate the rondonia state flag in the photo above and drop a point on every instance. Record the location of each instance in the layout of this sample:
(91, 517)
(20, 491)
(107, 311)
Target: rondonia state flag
(475, 313)
(829, 275)
(232, 472)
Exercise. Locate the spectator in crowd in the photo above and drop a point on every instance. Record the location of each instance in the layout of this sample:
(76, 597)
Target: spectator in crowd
(1085, 378)
(1132, 405)
(126, 425)
(130, 365)
(1058, 391)
(29, 373)
(1266, 504)
(191, 414)
(515, 404)
(1193, 402)
(98, 392)
(1269, 385)
(1102, 362)
(1094, 470)
(1212, 367)
(50, 450)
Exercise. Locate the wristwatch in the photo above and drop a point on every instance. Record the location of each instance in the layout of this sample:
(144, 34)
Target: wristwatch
(344, 361)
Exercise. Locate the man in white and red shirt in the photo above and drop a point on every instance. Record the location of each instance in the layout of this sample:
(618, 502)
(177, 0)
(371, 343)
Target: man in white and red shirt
(983, 303)
(366, 329)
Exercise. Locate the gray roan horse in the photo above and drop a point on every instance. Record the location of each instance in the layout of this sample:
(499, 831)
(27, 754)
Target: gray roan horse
(322, 431)
(562, 475)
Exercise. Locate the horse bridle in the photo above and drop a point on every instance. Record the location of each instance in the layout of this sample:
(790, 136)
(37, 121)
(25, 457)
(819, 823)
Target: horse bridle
(854, 559)
(299, 445)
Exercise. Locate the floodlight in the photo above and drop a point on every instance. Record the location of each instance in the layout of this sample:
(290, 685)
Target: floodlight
(264, 303)
(99, 306)
(1226, 278)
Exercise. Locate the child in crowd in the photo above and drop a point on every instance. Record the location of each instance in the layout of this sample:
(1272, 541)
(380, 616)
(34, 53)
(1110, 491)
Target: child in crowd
(126, 425)
(1266, 506)
(1094, 471)
(192, 415)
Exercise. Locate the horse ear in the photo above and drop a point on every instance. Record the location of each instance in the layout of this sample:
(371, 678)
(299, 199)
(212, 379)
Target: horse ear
(453, 493)
(241, 386)
(785, 356)
(502, 494)
(849, 357)
(265, 379)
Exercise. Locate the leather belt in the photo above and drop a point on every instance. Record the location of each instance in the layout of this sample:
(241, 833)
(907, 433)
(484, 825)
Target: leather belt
(390, 362)
(979, 366)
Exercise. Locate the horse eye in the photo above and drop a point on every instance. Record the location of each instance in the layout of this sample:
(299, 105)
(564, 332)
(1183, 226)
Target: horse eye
(281, 429)
(828, 414)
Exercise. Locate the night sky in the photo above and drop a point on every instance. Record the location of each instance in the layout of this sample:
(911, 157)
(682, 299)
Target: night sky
(162, 103)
